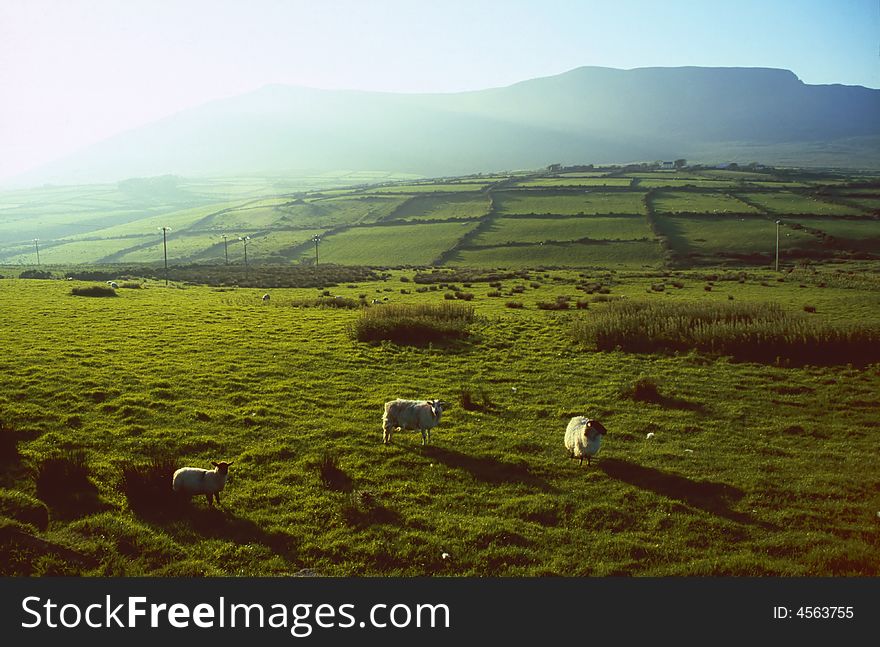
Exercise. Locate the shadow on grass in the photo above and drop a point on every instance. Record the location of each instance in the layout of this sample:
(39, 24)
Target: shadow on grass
(189, 522)
(486, 468)
(708, 496)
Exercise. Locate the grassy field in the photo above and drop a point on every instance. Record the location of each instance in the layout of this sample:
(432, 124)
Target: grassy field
(714, 236)
(753, 468)
(536, 230)
(631, 254)
(699, 202)
(784, 202)
(527, 202)
(443, 207)
(376, 245)
(567, 181)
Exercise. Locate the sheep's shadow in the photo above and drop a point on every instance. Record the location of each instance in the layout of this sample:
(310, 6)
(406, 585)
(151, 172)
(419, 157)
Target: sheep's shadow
(486, 468)
(715, 498)
(189, 523)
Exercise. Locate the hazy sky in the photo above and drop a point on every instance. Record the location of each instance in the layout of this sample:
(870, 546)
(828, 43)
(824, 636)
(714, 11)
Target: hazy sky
(73, 72)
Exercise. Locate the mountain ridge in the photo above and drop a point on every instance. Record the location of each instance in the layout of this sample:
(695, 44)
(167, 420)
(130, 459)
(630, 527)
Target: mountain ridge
(587, 114)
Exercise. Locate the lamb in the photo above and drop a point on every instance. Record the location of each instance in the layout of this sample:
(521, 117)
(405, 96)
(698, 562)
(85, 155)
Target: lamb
(583, 437)
(422, 415)
(194, 480)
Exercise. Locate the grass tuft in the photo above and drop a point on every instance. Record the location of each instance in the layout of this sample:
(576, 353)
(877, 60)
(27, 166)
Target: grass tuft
(414, 324)
(762, 332)
(332, 475)
(147, 487)
(94, 291)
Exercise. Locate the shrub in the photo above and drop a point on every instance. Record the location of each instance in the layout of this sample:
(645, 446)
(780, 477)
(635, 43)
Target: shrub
(450, 296)
(24, 508)
(35, 274)
(561, 303)
(493, 293)
(414, 324)
(514, 304)
(147, 487)
(94, 291)
(582, 304)
(809, 308)
(131, 285)
(465, 296)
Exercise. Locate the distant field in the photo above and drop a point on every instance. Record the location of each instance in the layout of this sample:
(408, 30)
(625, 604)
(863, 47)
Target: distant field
(121, 222)
(706, 235)
(868, 203)
(431, 188)
(784, 202)
(443, 207)
(629, 254)
(392, 244)
(332, 212)
(696, 183)
(512, 202)
(857, 234)
(575, 181)
(574, 228)
(694, 202)
(86, 251)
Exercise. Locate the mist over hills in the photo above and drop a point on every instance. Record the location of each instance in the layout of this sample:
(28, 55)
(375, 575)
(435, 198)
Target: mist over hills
(589, 114)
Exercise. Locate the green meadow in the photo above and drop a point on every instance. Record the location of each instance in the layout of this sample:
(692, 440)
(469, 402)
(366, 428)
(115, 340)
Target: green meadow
(754, 467)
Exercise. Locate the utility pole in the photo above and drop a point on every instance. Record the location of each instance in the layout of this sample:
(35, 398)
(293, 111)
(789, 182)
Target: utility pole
(225, 249)
(165, 231)
(777, 244)
(245, 240)
(316, 239)
(37, 247)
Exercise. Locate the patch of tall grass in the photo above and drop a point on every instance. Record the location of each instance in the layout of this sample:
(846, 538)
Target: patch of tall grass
(762, 332)
(414, 324)
(94, 291)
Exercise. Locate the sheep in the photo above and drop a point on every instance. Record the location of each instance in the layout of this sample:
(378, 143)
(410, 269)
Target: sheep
(583, 437)
(112, 284)
(266, 298)
(422, 415)
(194, 480)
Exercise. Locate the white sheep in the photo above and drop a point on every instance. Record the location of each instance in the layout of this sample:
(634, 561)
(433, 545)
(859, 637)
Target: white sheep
(194, 480)
(422, 415)
(583, 437)
(266, 298)
(112, 284)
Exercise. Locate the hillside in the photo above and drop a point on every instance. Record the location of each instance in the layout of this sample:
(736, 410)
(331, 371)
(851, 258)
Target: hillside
(588, 114)
(634, 217)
